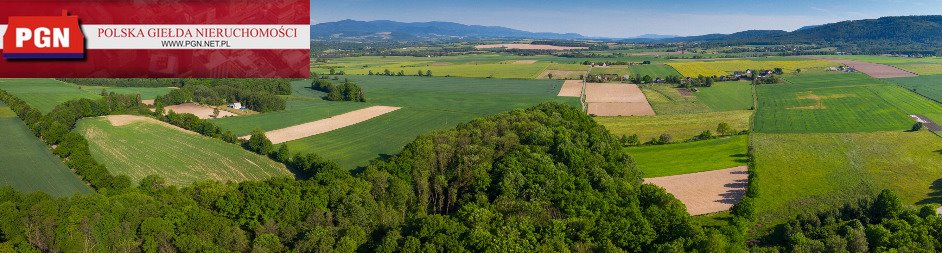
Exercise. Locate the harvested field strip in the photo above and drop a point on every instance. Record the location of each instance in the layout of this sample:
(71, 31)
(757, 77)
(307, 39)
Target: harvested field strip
(201, 111)
(27, 165)
(690, 157)
(874, 69)
(920, 66)
(571, 88)
(144, 146)
(614, 99)
(326, 125)
(706, 192)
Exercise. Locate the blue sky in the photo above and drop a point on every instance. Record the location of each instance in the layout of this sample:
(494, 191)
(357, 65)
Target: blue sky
(622, 18)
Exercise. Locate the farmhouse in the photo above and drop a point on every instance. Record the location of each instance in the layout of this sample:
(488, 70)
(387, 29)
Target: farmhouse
(236, 105)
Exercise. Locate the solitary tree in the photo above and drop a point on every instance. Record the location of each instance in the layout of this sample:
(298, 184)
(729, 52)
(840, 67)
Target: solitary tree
(259, 143)
(428, 72)
(665, 139)
(724, 129)
(917, 127)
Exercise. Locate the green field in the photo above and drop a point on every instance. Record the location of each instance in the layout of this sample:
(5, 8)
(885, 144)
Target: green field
(653, 70)
(928, 86)
(920, 66)
(45, 94)
(428, 104)
(838, 102)
(149, 147)
(726, 96)
(667, 100)
(614, 70)
(681, 127)
(802, 173)
(28, 165)
(690, 157)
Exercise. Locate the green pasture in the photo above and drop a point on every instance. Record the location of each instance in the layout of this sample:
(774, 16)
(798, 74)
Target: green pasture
(690, 157)
(681, 127)
(428, 104)
(653, 70)
(838, 102)
(726, 96)
(928, 86)
(804, 173)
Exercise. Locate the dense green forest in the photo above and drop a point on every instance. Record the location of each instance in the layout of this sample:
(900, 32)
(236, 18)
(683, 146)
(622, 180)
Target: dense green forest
(346, 91)
(254, 99)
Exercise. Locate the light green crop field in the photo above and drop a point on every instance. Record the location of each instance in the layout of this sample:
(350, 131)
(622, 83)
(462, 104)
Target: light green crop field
(298, 111)
(568, 67)
(690, 157)
(27, 165)
(44, 94)
(838, 102)
(928, 86)
(727, 67)
(920, 66)
(681, 127)
(667, 100)
(803, 173)
(428, 104)
(150, 147)
(726, 96)
(653, 70)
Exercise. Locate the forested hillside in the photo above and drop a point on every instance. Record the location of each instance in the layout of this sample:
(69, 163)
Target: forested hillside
(543, 179)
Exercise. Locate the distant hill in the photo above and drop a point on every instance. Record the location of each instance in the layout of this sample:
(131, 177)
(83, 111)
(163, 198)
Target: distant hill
(392, 30)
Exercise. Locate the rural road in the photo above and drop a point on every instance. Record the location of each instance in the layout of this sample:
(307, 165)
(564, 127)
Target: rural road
(926, 122)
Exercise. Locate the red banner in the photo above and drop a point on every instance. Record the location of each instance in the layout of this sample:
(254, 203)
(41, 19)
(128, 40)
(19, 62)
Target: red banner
(150, 38)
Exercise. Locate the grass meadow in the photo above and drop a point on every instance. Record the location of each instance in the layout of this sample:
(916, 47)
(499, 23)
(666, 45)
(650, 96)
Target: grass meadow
(928, 86)
(27, 164)
(690, 157)
(428, 104)
(149, 147)
(726, 96)
(838, 102)
(653, 70)
(681, 127)
(802, 173)
(45, 94)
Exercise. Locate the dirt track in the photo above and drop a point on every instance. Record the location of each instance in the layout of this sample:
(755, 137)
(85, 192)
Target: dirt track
(121, 120)
(874, 69)
(706, 192)
(325, 125)
(201, 111)
(525, 62)
(617, 99)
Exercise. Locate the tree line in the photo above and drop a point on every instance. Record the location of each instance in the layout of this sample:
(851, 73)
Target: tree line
(272, 85)
(218, 95)
(346, 91)
(55, 129)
